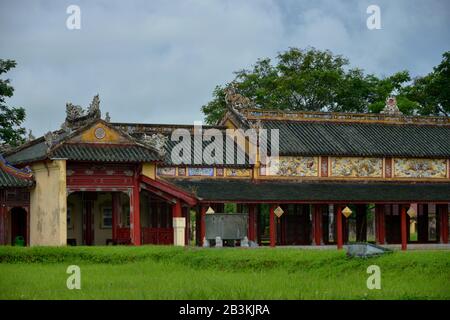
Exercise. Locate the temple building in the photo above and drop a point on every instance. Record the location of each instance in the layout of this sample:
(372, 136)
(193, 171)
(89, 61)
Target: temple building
(339, 178)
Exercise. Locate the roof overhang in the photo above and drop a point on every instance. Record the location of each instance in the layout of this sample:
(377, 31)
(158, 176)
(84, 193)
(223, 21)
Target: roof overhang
(268, 191)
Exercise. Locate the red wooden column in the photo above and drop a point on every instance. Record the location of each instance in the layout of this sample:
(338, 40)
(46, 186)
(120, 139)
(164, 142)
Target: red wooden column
(272, 226)
(251, 222)
(135, 223)
(380, 228)
(443, 216)
(187, 215)
(404, 228)
(176, 209)
(2, 223)
(340, 237)
(317, 224)
(202, 223)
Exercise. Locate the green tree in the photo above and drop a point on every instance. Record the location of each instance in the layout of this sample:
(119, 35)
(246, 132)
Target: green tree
(312, 80)
(11, 118)
(432, 92)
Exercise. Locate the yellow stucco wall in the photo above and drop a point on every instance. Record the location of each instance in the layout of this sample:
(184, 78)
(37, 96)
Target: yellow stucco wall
(148, 170)
(48, 224)
(75, 230)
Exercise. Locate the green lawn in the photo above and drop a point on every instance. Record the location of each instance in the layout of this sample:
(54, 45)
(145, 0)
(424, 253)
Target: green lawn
(151, 272)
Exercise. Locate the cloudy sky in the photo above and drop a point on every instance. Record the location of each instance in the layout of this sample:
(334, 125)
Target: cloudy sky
(158, 61)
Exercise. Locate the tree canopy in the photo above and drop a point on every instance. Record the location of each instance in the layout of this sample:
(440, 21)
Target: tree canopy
(315, 80)
(11, 118)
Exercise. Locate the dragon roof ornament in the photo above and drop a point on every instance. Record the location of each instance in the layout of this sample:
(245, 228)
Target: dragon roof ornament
(236, 100)
(76, 116)
(156, 141)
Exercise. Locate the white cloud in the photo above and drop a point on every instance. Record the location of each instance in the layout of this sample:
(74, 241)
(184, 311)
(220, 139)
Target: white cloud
(159, 61)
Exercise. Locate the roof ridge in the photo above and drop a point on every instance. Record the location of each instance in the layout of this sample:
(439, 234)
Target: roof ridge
(329, 116)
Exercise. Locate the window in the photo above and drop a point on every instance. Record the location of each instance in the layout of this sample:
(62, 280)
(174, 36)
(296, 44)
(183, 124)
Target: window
(106, 217)
(69, 218)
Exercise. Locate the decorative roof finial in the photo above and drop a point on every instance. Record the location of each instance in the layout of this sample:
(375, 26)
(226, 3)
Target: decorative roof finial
(391, 107)
(50, 139)
(31, 137)
(236, 100)
(107, 117)
(77, 117)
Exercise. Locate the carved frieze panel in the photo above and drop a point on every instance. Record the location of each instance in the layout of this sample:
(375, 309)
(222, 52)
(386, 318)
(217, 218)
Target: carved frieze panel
(294, 167)
(420, 168)
(356, 167)
(166, 171)
(234, 172)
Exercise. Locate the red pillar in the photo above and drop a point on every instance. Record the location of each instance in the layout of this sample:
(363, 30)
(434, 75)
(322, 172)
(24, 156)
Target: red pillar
(444, 223)
(251, 222)
(176, 209)
(187, 215)
(202, 223)
(272, 226)
(135, 224)
(2, 224)
(317, 222)
(404, 228)
(340, 241)
(380, 230)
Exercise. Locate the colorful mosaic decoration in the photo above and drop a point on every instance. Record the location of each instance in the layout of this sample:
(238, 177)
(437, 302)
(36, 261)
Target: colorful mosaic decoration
(356, 167)
(219, 172)
(420, 168)
(294, 167)
(196, 171)
(167, 171)
(233, 172)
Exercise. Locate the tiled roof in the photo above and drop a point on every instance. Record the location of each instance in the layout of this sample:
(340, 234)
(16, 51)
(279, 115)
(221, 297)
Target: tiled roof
(105, 153)
(138, 130)
(245, 190)
(361, 139)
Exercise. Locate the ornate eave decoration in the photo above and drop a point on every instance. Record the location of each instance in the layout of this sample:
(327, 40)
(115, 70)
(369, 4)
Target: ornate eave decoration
(24, 173)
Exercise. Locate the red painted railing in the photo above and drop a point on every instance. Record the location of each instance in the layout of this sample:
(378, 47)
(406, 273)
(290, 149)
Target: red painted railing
(157, 235)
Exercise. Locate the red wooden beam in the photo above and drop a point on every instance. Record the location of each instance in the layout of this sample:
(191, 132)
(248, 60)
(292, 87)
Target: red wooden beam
(158, 193)
(404, 228)
(272, 226)
(171, 189)
(340, 241)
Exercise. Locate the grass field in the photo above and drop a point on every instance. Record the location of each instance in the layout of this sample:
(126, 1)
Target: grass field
(151, 272)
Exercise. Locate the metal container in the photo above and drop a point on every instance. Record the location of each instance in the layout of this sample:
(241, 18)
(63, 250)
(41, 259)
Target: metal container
(227, 226)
